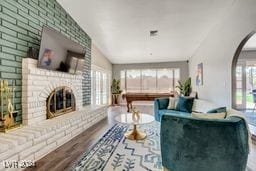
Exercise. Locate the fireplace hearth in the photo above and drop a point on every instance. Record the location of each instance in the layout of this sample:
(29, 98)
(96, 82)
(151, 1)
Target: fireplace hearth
(60, 101)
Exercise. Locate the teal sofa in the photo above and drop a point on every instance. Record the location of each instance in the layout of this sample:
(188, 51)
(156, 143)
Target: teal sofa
(160, 108)
(195, 144)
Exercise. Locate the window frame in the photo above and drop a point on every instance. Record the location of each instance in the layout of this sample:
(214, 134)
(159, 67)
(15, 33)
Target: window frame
(173, 70)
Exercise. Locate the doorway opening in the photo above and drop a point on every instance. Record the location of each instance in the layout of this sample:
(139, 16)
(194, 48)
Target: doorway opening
(244, 78)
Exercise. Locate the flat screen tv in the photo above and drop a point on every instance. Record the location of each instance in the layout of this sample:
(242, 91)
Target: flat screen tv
(59, 53)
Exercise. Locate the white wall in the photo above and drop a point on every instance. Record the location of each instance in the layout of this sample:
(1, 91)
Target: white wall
(100, 60)
(101, 63)
(217, 51)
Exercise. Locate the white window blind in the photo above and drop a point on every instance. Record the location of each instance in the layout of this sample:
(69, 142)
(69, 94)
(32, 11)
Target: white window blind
(150, 80)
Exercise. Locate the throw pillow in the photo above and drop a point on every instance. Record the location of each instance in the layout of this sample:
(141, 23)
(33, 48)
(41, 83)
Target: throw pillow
(221, 115)
(185, 104)
(219, 110)
(172, 103)
(163, 103)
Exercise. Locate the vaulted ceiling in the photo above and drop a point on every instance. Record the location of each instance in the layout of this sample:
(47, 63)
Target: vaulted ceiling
(120, 28)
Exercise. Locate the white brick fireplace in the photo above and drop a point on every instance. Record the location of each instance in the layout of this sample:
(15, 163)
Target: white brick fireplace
(39, 136)
(37, 84)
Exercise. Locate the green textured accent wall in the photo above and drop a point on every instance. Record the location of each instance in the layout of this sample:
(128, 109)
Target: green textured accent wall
(21, 23)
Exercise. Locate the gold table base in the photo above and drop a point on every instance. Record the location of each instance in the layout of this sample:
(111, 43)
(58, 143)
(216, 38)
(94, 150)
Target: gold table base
(135, 134)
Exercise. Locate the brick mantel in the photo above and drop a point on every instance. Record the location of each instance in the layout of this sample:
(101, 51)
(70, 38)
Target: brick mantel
(37, 84)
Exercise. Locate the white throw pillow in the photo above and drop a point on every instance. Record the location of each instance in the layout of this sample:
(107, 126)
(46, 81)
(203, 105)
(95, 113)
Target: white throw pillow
(203, 106)
(209, 115)
(172, 103)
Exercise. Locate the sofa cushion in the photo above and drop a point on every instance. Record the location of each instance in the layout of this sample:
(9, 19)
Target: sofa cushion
(185, 104)
(203, 106)
(221, 115)
(172, 112)
(218, 110)
(172, 103)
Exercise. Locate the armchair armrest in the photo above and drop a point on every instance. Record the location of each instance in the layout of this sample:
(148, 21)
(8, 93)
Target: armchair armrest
(203, 144)
(160, 103)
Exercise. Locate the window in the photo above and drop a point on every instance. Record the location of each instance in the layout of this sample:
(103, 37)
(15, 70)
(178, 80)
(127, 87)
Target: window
(100, 86)
(122, 80)
(165, 80)
(133, 80)
(150, 80)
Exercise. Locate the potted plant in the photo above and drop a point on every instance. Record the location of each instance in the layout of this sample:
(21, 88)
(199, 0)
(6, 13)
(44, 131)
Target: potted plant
(185, 88)
(116, 91)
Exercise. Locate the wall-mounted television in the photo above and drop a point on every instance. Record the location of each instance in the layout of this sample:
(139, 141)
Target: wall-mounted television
(59, 53)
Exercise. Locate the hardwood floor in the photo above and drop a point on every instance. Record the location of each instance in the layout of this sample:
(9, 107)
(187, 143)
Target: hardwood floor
(63, 157)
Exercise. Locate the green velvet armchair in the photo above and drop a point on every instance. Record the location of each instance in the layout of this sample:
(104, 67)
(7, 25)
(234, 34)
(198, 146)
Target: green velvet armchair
(192, 144)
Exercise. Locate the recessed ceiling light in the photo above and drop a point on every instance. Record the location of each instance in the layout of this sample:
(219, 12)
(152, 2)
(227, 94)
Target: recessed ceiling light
(153, 32)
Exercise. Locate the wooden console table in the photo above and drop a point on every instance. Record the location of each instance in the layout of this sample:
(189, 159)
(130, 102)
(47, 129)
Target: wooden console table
(130, 97)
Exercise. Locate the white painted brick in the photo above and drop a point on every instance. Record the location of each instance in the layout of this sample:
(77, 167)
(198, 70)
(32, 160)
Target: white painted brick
(15, 150)
(68, 131)
(41, 130)
(3, 147)
(44, 137)
(31, 150)
(30, 131)
(10, 142)
(45, 150)
(76, 131)
(64, 128)
(7, 154)
(18, 138)
(55, 137)
(38, 81)
(13, 158)
(64, 139)
(29, 158)
(26, 135)
(50, 133)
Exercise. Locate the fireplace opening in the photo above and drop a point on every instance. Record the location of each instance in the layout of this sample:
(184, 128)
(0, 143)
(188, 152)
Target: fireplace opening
(60, 101)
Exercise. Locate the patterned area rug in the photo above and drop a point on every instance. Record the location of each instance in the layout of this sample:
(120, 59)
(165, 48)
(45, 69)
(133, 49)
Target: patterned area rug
(114, 152)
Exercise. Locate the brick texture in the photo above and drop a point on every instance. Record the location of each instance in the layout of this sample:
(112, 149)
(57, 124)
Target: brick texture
(37, 85)
(21, 22)
(35, 141)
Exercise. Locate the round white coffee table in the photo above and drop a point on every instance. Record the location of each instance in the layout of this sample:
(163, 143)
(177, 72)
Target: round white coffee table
(135, 134)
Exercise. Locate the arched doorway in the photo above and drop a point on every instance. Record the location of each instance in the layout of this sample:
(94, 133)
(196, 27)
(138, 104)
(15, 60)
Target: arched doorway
(244, 76)
(234, 69)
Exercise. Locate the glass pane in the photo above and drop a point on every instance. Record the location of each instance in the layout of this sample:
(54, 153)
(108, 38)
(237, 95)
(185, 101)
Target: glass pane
(122, 79)
(148, 80)
(250, 83)
(239, 85)
(133, 80)
(98, 87)
(59, 99)
(52, 105)
(104, 88)
(165, 80)
(176, 77)
(92, 87)
(68, 98)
